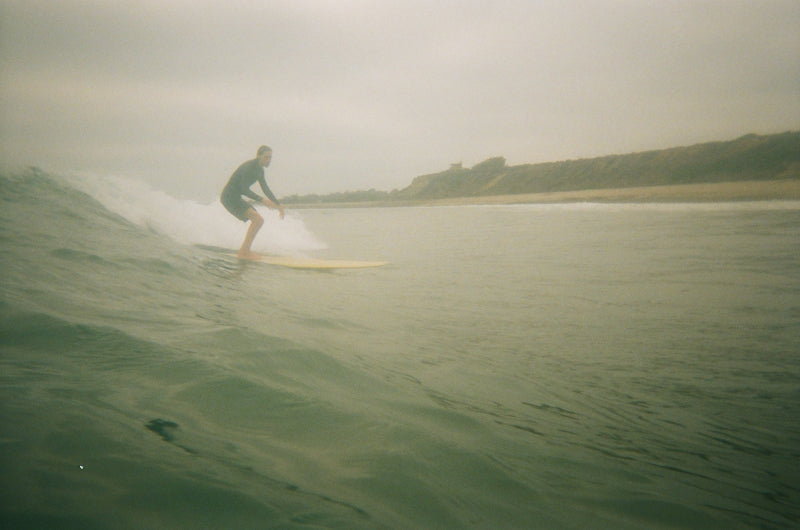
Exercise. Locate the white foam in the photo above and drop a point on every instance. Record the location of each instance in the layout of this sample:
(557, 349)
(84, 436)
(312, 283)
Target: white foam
(192, 223)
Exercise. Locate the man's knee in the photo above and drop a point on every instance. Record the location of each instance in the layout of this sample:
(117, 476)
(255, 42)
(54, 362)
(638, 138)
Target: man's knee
(255, 219)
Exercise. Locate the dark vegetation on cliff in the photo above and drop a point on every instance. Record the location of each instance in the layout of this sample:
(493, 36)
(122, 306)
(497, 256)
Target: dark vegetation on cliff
(750, 157)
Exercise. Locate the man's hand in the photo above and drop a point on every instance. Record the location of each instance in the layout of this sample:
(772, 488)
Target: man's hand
(273, 206)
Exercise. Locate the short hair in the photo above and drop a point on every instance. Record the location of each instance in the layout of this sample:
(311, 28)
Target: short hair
(263, 149)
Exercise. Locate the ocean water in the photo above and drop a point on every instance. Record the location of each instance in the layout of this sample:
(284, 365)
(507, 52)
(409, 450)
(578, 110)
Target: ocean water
(536, 366)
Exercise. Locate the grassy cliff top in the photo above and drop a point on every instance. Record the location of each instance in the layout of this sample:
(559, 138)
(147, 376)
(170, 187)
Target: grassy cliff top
(749, 158)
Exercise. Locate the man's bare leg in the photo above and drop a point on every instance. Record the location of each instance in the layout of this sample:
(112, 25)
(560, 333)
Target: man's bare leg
(256, 221)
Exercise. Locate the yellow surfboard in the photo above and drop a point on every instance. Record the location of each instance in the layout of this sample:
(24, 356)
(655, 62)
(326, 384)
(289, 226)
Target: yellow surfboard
(311, 263)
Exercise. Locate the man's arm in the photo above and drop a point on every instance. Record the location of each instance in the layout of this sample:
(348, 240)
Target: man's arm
(270, 201)
(250, 195)
(266, 190)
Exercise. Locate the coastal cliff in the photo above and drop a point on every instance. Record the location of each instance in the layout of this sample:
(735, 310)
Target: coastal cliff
(746, 159)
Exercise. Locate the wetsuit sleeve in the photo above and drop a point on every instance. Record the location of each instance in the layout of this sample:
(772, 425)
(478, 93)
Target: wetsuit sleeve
(249, 193)
(266, 190)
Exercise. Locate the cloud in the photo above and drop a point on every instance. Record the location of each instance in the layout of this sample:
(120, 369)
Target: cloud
(356, 94)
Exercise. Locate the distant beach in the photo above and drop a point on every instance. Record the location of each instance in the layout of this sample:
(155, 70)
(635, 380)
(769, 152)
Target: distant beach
(753, 190)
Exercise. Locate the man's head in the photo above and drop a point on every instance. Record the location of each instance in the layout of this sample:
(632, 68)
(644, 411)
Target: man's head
(264, 155)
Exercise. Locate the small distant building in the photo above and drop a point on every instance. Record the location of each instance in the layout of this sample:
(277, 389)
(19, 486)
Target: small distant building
(456, 165)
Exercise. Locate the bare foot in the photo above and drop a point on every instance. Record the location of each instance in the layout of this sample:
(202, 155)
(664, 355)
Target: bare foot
(247, 255)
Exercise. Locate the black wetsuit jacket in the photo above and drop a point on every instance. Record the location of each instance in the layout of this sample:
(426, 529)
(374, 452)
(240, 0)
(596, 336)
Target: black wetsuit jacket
(245, 176)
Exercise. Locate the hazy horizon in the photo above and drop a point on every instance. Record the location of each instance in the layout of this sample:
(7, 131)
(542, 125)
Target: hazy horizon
(352, 95)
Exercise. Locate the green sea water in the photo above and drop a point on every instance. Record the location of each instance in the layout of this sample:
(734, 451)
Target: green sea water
(536, 366)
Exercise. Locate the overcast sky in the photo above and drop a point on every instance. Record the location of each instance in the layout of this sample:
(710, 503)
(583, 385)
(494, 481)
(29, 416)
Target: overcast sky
(358, 94)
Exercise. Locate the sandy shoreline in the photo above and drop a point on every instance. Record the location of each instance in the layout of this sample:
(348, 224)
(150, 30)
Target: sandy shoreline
(717, 192)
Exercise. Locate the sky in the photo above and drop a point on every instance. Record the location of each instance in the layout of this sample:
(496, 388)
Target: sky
(359, 94)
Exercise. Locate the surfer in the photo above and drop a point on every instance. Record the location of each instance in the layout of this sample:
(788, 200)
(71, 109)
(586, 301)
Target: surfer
(238, 185)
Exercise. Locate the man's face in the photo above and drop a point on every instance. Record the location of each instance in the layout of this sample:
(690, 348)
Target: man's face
(265, 159)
